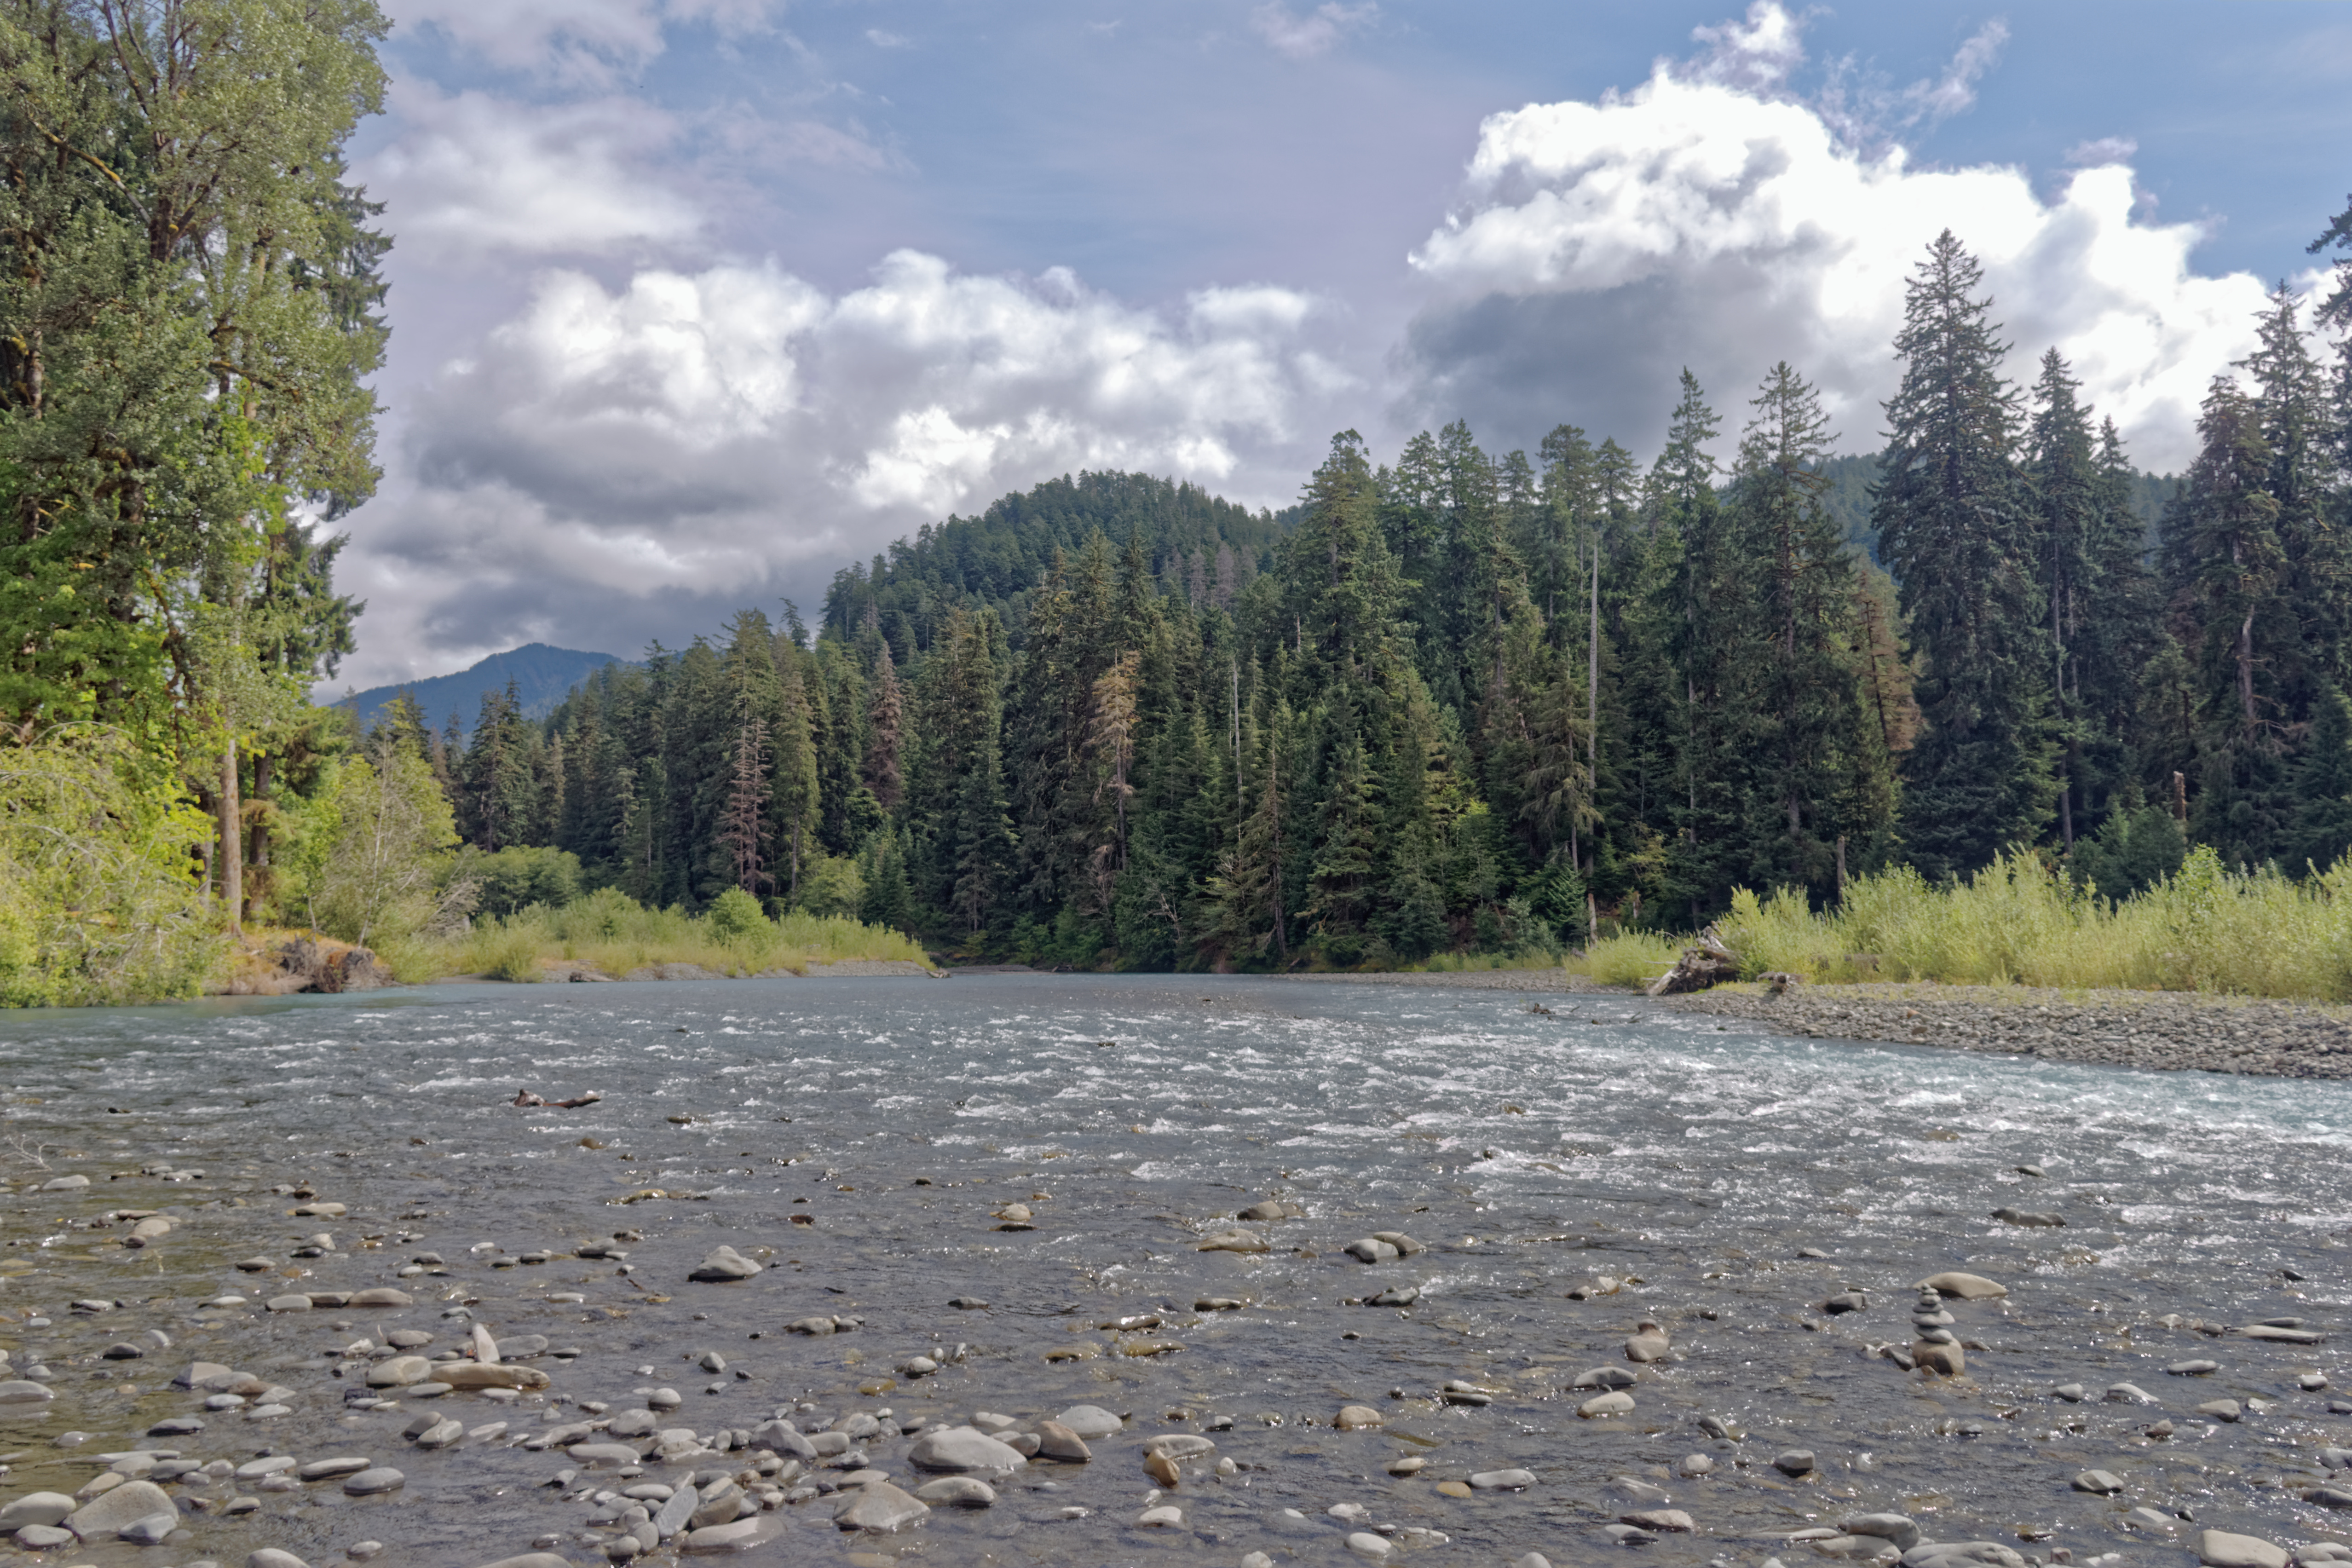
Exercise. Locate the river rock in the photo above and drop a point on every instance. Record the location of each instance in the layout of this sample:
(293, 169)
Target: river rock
(962, 1448)
(36, 1507)
(2028, 1217)
(2279, 1335)
(271, 1557)
(1233, 1241)
(2225, 1410)
(724, 1264)
(528, 1560)
(468, 1375)
(1372, 1250)
(2102, 1483)
(2219, 1549)
(2128, 1394)
(1503, 1480)
(881, 1506)
(1899, 1528)
(1648, 1343)
(1091, 1421)
(1616, 1401)
(2329, 1497)
(957, 1491)
(41, 1537)
(1671, 1519)
(1966, 1287)
(1056, 1441)
(399, 1372)
(676, 1512)
(1356, 1417)
(1794, 1462)
(328, 1469)
(1962, 1554)
(374, 1481)
(1948, 1359)
(1364, 1543)
(18, 1390)
(601, 1454)
(124, 1505)
(737, 1535)
(1167, 1516)
(381, 1296)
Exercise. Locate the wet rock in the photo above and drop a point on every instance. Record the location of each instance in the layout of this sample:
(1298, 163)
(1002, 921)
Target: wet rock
(1948, 1359)
(2280, 1335)
(381, 1296)
(468, 1374)
(2329, 1497)
(1372, 1250)
(1364, 1543)
(1056, 1441)
(1605, 1377)
(962, 1448)
(1962, 1554)
(19, 1390)
(676, 1512)
(1503, 1480)
(1965, 1287)
(1648, 1343)
(399, 1372)
(957, 1491)
(2028, 1217)
(2193, 1368)
(1616, 1403)
(1356, 1417)
(724, 1264)
(41, 1537)
(1898, 1528)
(326, 1469)
(2102, 1483)
(271, 1557)
(1167, 1516)
(2224, 1410)
(1233, 1241)
(36, 1507)
(1091, 1421)
(2128, 1394)
(2219, 1549)
(881, 1506)
(1794, 1462)
(1666, 1520)
(119, 1508)
(374, 1481)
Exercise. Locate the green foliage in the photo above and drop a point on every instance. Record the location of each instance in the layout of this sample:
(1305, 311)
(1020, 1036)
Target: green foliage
(515, 878)
(737, 919)
(2203, 927)
(95, 900)
(382, 879)
(2133, 850)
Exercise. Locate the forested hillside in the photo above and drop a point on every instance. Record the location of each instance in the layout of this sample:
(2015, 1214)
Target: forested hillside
(1477, 701)
(1460, 701)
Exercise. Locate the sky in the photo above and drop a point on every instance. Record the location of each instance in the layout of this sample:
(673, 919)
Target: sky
(695, 303)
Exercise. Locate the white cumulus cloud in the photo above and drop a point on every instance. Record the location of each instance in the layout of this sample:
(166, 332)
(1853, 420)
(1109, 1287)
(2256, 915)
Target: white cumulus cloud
(614, 459)
(1703, 220)
(469, 173)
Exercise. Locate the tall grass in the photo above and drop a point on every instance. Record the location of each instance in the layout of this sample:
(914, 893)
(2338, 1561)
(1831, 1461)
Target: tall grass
(1632, 958)
(2020, 920)
(613, 933)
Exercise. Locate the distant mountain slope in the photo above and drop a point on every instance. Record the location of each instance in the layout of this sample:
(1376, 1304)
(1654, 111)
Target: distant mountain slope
(543, 675)
(996, 559)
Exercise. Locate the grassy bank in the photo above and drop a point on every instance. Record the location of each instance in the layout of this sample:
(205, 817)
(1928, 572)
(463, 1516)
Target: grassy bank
(615, 935)
(2019, 921)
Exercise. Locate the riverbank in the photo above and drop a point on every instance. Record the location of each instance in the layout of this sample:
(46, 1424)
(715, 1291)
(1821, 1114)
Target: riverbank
(2167, 1030)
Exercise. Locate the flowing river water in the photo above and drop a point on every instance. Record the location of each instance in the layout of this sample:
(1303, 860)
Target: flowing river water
(861, 1139)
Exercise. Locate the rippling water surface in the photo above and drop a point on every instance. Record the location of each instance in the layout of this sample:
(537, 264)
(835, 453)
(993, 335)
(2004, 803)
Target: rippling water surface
(1688, 1163)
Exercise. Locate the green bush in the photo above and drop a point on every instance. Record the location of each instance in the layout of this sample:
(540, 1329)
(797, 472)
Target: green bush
(736, 918)
(518, 876)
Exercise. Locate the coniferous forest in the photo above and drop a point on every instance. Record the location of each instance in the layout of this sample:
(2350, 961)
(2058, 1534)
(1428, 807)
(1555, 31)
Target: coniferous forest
(1453, 701)
(1470, 702)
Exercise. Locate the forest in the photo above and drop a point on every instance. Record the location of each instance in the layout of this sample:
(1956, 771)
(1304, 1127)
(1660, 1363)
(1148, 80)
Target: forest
(1468, 703)
(1452, 705)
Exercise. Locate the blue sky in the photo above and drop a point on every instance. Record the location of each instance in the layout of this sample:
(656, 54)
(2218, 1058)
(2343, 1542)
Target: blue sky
(695, 300)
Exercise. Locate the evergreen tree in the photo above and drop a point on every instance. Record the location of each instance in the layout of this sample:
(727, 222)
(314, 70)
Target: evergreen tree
(2323, 788)
(1953, 525)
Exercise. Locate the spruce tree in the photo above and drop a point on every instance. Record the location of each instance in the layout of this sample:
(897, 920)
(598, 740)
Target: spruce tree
(2323, 788)
(1953, 526)
(1799, 646)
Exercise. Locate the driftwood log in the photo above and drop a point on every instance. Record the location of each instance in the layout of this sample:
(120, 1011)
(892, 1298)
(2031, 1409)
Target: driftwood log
(1705, 962)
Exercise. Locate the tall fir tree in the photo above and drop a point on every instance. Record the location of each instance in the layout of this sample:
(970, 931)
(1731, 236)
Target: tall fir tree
(1953, 525)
